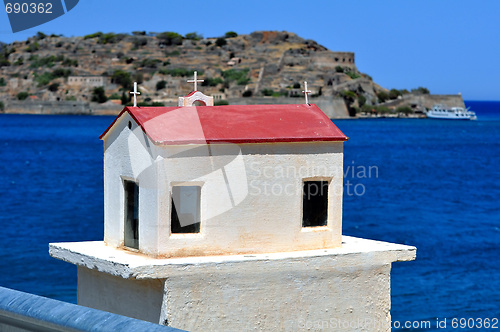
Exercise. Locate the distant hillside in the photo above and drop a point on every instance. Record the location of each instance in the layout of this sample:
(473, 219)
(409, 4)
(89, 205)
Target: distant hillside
(261, 64)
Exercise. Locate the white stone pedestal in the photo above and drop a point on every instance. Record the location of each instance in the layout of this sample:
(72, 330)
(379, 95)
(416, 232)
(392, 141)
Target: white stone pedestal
(347, 287)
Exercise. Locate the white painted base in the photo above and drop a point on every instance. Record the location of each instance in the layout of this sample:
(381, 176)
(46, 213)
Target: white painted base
(315, 289)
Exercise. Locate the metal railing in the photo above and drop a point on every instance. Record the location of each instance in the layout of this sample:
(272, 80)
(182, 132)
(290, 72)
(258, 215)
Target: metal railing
(27, 312)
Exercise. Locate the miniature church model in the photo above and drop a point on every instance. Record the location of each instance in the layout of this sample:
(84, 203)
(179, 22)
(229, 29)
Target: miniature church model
(229, 218)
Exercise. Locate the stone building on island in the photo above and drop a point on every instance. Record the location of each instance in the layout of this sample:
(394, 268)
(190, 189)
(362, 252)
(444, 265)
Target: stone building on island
(87, 81)
(193, 240)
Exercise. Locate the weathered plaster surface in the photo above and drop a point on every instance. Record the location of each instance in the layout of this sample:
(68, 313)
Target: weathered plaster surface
(276, 291)
(132, 298)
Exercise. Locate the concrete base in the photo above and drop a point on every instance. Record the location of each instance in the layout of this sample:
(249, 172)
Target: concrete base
(347, 287)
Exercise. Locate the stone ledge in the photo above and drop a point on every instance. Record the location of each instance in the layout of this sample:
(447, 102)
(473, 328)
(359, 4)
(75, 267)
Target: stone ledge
(126, 264)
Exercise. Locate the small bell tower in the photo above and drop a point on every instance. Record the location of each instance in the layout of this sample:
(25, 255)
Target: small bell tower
(196, 96)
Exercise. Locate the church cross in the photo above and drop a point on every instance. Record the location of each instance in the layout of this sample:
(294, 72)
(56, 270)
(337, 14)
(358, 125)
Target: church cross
(195, 81)
(135, 93)
(306, 92)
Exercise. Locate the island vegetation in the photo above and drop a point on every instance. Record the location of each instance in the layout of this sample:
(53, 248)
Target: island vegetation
(100, 68)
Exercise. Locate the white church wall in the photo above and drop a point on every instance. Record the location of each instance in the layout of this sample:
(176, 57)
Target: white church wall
(127, 158)
(251, 196)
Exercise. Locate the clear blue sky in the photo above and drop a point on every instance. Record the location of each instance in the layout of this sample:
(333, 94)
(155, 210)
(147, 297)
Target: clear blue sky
(448, 46)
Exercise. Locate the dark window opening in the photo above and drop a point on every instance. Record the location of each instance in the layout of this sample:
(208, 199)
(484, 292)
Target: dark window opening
(185, 212)
(315, 203)
(131, 236)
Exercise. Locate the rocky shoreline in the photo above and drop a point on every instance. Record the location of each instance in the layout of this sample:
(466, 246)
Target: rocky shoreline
(334, 108)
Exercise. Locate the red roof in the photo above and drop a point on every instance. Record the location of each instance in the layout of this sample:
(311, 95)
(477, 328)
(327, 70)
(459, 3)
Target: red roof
(191, 93)
(234, 124)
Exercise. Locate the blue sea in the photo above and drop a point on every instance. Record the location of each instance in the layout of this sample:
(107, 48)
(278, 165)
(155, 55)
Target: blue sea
(433, 184)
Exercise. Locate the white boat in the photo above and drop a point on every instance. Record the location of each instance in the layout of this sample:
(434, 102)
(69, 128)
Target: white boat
(440, 111)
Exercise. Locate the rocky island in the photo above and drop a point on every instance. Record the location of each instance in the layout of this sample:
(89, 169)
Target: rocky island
(94, 74)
